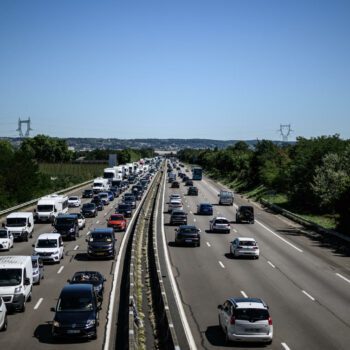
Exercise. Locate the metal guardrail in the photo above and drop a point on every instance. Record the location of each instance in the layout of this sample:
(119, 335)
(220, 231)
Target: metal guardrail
(307, 223)
(33, 201)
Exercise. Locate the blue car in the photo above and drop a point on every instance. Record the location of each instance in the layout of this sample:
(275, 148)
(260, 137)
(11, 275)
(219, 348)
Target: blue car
(111, 195)
(205, 209)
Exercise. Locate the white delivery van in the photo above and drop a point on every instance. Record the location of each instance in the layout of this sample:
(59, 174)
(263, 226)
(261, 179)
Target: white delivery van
(20, 225)
(100, 185)
(16, 281)
(110, 174)
(49, 207)
(226, 197)
(49, 247)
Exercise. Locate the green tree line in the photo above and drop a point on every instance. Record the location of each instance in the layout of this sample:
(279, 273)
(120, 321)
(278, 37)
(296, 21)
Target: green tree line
(313, 173)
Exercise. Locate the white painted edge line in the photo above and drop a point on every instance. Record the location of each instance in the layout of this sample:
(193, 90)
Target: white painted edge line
(115, 278)
(308, 295)
(185, 324)
(342, 277)
(38, 303)
(221, 264)
(208, 244)
(244, 294)
(60, 269)
(285, 346)
(76, 247)
(271, 264)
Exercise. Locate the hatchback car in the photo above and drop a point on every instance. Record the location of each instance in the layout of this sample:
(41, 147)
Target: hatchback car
(104, 196)
(188, 234)
(178, 217)
(220, 224)
(192, 191)
(189, 182)
(98, 202)
(246, 320)
(244, 246)
(74, 201)
(124, 209)
(3, 315)
(174, 196)
(81, 220)
(38, 269)
(205, 209)
(174, 204)
(76, 312)
(89, 210)
(117, 222)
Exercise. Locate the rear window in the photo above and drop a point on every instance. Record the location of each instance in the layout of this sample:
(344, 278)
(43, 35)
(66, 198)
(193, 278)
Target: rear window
(221, 221)
(247, 243)
(251, 315)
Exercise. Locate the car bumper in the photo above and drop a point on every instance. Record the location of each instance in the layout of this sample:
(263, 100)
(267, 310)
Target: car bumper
(50, 258)
(65, 332)
(253, 253)
(100, 254)
(187, 241)
(260, 338)
(221, 229)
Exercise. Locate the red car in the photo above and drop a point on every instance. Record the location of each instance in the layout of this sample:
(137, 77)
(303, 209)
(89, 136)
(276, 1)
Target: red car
(118, 222)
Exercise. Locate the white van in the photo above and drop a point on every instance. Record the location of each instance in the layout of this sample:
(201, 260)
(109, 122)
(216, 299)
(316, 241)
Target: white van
(100, 185)
(49, 207)
(226, 197)
(16, 281)
(20, 225)
(49, 246)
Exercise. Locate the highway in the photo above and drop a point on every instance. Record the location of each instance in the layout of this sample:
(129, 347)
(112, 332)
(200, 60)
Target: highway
(306, 286)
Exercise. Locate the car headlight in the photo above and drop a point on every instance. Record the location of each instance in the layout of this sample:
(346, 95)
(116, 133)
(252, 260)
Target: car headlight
(35, 272)
(90, 323)
(18, 289)
(56, 252)
(56, 324)
(71, 230)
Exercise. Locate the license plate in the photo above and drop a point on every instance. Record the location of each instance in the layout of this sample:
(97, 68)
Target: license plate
(73, 331)
(253, 330)
(100, 253)
(188, 240)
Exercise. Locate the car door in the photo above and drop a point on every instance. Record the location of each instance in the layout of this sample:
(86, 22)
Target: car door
(234, 245)
(226, 314)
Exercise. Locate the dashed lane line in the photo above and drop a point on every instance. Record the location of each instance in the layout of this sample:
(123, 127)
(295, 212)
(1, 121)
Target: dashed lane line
(221, 264)
(60, 269)
(38, 303)
(208, 244)
(244, 294)
(343, 278)
(271, 264)
(308, 295)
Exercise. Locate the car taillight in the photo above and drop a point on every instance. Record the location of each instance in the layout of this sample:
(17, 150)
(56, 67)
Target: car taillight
(232, 320)
(270, 321)
(255, 248)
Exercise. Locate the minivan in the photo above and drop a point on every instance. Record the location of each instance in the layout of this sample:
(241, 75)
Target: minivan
(49, 246)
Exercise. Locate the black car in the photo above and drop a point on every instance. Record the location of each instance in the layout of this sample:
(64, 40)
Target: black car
(67, 225)
(101, 243)
(115, 190)
(185, 178)
(178, 217)
(192, 191)
(188, 234)
(89, 210)
(175, 184)
(189, 182)
(245, 213)
(205, 209)
(98, 202)
(88, 194)
(124, 209)
(92, 277)
(76, 312)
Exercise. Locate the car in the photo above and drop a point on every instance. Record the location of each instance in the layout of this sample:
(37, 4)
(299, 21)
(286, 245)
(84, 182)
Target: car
(89, 210)
(244, 246)
(76, 312)
(92, 277)
(88, 194)
(245, 213)
(115, 190)
(185, 178)
(104, 196)
(49, 247)
(174, 196)
(117, 222)
(178, 217)
(81, 220)
(6, 239)
(220, 224)
(188, 234)
(67, 225)
(74, 201)
(189, 182)
(192, 191)
(101, 243)
(110, 195)
(131, 200)
(205, 209)
(246, 320)
(3, 315)
(124, 209)
(98, 202)
(38, 269)
(174, 204)
(175, 184)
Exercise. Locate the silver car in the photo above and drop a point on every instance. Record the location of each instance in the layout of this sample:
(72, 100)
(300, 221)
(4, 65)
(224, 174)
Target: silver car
(38, 269)
(246, 320)
(220, 224)
(244, 246)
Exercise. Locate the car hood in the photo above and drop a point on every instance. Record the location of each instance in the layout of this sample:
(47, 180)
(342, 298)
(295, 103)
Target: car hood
(46, 250)
(4, 240)
(70, 318)
(100, 244)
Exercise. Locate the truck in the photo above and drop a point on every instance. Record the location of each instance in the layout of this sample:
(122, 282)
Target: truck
(110, 174)
(197, 173)
(49, 207)
(226, 197)
(100, 184)
(20, 225)
(16, 276)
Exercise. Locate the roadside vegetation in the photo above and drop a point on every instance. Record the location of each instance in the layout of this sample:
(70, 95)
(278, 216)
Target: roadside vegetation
(310, 178)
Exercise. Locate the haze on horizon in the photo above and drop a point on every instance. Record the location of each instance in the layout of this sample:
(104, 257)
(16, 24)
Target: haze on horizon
(224, 70)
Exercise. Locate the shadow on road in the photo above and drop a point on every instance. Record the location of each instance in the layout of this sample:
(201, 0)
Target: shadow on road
(81, 257)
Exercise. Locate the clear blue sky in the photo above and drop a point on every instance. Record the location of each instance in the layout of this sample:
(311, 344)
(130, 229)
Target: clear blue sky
(220, 69)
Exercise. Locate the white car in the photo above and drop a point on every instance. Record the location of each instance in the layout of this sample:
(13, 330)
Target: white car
(174, 196)
(74, 201)
(246, 320)
(3, 315)
(49, 246)
(244, 246)
(220, 224)
(174, 204)
(81, 221)
(6, 239)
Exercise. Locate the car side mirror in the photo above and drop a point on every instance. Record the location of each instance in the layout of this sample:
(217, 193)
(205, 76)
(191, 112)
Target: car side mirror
(68, 280)
(52, 309)
(29, 225)
(27, 282)
(220, 307)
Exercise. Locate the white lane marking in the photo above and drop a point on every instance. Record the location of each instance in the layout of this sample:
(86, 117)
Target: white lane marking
(87, 233)
(38, 303)
(60, 269)
(342, 277)
(285, 346)
(278, 236)
(221, 264)
(271, 264)
(191, 212)
(234, 230)
(174, 287)
(208, 244)
(98, 221)
(106, 214)
(76, 247)
(188, 205)
(244, 294)
(308, 295)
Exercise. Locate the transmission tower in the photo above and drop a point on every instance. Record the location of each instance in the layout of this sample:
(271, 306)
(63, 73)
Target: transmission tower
(19, 129)
(285, 130)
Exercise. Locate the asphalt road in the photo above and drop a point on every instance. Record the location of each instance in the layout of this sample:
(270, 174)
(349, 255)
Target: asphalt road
(32, 329)
(306, 285)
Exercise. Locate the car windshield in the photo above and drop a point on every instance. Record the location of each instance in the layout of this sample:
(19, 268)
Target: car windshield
(3, 234)
(10, 277)
(45, 208)
(64, 221)
(74, 303)
(188, 230)
(73, 198)
(97, 184)
(46, 243)
(247, 243)
(124, 206)
(221, 221)
(116, 217)
(251, 315)
(88, 191)
(100, 237)
(16, 222)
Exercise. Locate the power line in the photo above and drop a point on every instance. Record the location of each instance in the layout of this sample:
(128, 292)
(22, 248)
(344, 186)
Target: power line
(285, 130)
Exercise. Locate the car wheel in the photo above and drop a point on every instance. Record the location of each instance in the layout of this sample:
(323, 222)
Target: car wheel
(23, 308)
(39, 280)
(227, 339)
(26, 237)
(4, 327)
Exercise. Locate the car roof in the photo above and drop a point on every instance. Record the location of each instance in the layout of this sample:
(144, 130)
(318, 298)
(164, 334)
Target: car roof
(19, 214)
(175, 200)
(77, 288)
(49, 236)
(251, 303)
(220, 218)
(103, 230)
(246, 239)
(68, 216)
(188, 226)
(178, 211)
